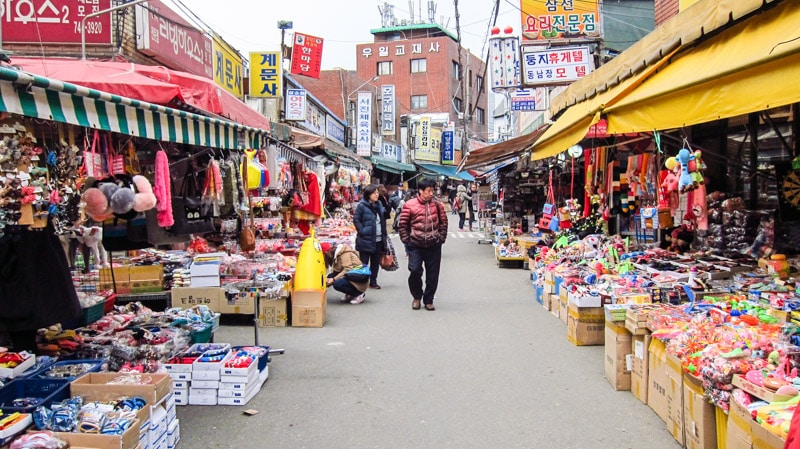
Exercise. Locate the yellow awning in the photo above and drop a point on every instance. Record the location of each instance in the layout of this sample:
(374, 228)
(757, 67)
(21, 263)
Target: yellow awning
(751, 66)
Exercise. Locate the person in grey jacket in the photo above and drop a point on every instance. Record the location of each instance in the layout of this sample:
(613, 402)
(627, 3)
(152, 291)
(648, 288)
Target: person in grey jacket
(371, 231)
(465, 199)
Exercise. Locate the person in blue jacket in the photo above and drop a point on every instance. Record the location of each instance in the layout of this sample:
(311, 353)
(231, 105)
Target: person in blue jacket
(370, 223)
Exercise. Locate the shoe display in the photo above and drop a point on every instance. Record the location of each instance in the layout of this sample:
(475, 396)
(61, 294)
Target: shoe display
(359, 299)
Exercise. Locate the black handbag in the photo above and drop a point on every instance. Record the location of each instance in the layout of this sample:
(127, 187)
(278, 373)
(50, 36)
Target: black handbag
(125, 235)
(192, 215)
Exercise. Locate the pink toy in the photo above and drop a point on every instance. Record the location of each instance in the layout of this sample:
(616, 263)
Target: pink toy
(144, 198)
(97, 206)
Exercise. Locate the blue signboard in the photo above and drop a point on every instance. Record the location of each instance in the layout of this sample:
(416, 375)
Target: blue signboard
(448, 155)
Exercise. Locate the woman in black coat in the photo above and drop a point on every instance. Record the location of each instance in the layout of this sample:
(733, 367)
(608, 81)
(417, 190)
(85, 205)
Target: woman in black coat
(371, 231)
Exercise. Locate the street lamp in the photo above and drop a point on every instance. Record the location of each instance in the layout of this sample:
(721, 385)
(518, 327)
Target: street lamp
(351, 115)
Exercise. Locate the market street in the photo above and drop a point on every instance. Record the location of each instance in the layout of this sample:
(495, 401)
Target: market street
(490, 368)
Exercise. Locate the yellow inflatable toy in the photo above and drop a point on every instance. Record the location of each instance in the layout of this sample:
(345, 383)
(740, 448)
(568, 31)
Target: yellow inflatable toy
(257, 174)
(310, 271)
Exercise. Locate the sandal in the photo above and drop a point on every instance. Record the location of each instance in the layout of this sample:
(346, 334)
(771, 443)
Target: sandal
(430, 307)
(415, 304)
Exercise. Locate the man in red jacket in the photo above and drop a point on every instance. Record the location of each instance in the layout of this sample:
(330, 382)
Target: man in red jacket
(423, 229)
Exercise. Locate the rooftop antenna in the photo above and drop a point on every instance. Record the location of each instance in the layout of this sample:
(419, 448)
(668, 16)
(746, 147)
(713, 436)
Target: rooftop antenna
(411, 9)
(431, 11)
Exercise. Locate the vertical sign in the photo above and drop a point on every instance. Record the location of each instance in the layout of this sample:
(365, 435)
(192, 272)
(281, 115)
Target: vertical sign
(55, 21)
(504, 62)
(560, 19)
(228, 67)
(306, 55)
(364, 124)
(448, 153)
(424, 150)
(266, 76)
(387, 110)
(295, 104)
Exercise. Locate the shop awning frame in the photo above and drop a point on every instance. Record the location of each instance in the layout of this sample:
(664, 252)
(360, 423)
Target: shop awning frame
(502, 151)
(447, 171)
(392, 166)
(48, 99)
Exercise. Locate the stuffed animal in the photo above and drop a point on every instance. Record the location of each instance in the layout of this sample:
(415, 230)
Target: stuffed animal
(118, 196)
(685, 181)
(92, 238)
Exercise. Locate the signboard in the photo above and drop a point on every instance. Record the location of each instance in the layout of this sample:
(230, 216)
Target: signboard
(559, 65)
(55, 21)
(266, 76)
(504, 62)
(413, 49)
(315, 119)
(334, 130)
(306, 55)
(387, 110)
(560, 19)
(448, 152)
(364, 124)
(391, 151)
(165, 36)
(424, 150)
(528, 100)
(228, 67)
(295, 104)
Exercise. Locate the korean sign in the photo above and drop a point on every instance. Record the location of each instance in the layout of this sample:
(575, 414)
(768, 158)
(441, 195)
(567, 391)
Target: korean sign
(164, 35)
(334, 130)
(560, 19)
(399, 49)
(228, 67)
(424, 150)
(528, 100)
(387, 110)
(542, 66)
(266, 76)
(315, 118)
(448, 154)
(55, 21)
(295, 104)
(306, 55)
(504, 62)
(391, 151)
(364, 124)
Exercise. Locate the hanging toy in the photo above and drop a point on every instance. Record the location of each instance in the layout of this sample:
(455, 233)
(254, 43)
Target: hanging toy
(685, 182)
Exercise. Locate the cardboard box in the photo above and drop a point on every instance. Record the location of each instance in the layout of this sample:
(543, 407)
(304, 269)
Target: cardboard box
(238, 304)
(739, 435)
(146, 273)
(11, 373)
(186, 297)
(757, 391)
(640, 368)
(308, 308)
(205, 281)
(657, 378)
(580, 333)
(699, 416)
(587, 314)
(674, 393)
(202, 400)
(562, 309)
(157, 388)
(128, 440)
(204, 269)
(764, 439)
(618, 358)
(585, 299)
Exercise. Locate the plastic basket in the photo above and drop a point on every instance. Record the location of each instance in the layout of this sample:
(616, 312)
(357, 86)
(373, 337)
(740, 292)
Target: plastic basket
(45, 391)
(93, 313)
(94, 366)
(108, 306)
(203, 335)
(157, 302)
(262, 360)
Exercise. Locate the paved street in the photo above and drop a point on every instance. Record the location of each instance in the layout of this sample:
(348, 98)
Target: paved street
(490, 368)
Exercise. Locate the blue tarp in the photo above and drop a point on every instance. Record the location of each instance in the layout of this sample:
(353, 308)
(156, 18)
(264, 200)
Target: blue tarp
(447, 170)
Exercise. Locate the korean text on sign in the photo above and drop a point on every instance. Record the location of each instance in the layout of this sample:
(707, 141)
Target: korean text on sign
(559, 19)
(55, 21)
(307, 55)
(265, 74)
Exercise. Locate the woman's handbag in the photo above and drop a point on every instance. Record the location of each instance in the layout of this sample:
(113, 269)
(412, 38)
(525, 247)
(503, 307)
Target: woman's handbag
(388, 259)
(92, 160)
(359, 274)
(125, 235)
(546, 222)
(192, 215)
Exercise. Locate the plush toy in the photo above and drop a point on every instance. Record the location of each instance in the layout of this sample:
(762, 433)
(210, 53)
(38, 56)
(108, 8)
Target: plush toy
(144, 199)
(118, 196)
(92, 238)
(685, 182)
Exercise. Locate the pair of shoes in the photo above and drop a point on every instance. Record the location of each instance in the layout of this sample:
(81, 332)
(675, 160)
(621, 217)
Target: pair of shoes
(347, 298)
(430, 307)
(375, 286)
(415, 304)
(359, 299)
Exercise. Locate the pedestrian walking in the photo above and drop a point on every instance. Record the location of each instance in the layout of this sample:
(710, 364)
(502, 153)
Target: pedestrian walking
(370, 223)
(423, 229)
(462, 202)
(340, 259)
(473, 190)
(451, 196)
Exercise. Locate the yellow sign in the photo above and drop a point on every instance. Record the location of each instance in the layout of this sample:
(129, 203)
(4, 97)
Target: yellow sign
(228, 67)
(265, 74)
(559, 19)
(425, 150)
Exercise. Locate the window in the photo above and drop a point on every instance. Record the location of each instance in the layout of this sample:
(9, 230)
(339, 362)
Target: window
(480, 116)
(419, 102)
(479, 82)
(456, 70)
(419, 65)
(385, 68)
(458, 104)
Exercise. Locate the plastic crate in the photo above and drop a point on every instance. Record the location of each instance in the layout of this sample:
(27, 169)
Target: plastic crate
(45, 391)
(94, 366)
(262, 359)
(108, 306)
(202, 336)
(157, 302)
(93, 313)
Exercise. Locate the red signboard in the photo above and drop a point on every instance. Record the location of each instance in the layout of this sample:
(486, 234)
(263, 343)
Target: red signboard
(55, 21)
(171, 40)
(306, 55)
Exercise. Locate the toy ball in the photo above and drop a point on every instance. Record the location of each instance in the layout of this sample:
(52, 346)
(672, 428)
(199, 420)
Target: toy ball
(671, 163)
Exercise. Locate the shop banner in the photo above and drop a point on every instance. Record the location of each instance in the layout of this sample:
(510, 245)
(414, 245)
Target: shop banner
(391, 151)
(266, 76)
(504, 61)
(528, 100)
(387, 110)
(295, 104)
(54, 21)
(169, 39)
(448, 153)
(228, 67)
(364, 124)
(334, 130)
(424, 150)
(306, 55)
(567, 19)
(547, 66)
(315, 118)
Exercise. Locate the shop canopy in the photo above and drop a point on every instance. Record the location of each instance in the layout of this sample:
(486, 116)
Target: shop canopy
(49, 99)
(715, 60)
(391, 165)
(153, 84)
(502, 151)
(448, 171)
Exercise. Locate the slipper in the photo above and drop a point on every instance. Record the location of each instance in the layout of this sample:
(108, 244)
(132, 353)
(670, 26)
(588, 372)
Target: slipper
(430, 307)
(415, 304)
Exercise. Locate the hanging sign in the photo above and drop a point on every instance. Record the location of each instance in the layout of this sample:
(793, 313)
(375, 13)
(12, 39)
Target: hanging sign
(562, 19)
(504, 62)
(228, 67)
(55, 21)
(387, 110)
(265, 74)
(295, 104)
(306, 55)
(448, 154)
(562, 65)
(364, 124)
(424, 150)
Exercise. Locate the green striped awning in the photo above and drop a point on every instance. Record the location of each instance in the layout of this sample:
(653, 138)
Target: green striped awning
(40, 97)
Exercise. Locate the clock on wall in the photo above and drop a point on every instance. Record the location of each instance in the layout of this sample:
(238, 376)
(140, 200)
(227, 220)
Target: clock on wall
(788, 192)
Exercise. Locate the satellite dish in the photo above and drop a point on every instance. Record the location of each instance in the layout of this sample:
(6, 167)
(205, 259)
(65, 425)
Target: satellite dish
(575, 151)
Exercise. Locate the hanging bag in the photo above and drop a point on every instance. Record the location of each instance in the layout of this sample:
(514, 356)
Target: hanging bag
(388, 259)
(92, 160)
(116, 162)
(546, 222)
(247, 238)
(192, 215)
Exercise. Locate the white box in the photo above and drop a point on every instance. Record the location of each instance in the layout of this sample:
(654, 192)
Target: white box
(585, 299)
(160, 443)
(204, 269)
(169, 402)
(197, 392)
(180, 384)
(202, 347)
(239, 401)
(173, 434)
(144, 440)
(225, 371)
(178, 367)
(11, 373)
(205, 384)
(239, 393)
(158, 423)
(210, 366)
(183, 400)
(205, 375)
(180, 376)
(237, 382)
(203, 400)
(182, 393)
(205, 281)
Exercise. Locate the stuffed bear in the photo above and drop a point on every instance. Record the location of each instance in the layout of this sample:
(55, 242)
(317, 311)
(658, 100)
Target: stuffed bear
(118, 195)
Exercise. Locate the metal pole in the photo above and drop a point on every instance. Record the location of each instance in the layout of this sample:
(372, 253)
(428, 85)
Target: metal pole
(99, 13)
